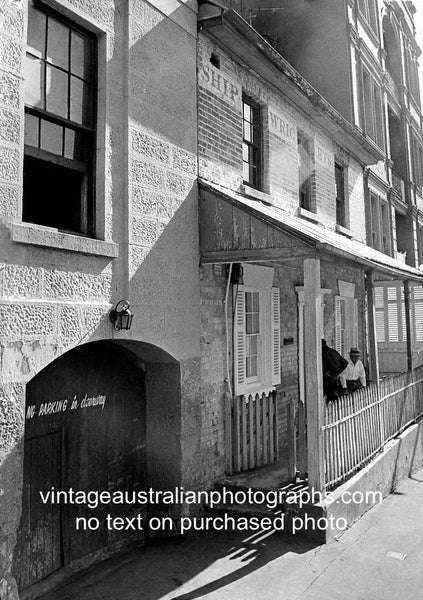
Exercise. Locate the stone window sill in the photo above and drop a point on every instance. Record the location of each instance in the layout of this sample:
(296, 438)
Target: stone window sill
(307, 214)
(25, 233)
(256, 194)
(344, 231)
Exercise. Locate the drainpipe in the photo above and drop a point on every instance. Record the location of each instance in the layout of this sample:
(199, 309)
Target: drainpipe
(407, 309)
(228, 373)
(371, 316)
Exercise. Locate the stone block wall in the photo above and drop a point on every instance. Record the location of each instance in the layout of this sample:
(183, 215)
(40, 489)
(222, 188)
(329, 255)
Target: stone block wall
(57, 289)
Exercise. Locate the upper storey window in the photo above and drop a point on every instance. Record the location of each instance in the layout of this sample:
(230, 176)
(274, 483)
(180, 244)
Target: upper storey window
(372, 108)
(368, 9)
(305, 170)
(251, 143)
(340, 195)
(60, 83)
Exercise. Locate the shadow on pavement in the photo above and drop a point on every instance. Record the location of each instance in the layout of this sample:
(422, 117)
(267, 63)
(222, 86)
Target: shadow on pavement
(181, 569)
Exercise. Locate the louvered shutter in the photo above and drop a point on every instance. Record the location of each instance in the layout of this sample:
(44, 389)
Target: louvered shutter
(276, 336)
(380, 314)
(338, 340)
(239, 342)
(354, 302)
(418, 312)
(392, 314)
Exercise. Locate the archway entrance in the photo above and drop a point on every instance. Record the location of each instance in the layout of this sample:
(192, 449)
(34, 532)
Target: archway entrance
(85, 431)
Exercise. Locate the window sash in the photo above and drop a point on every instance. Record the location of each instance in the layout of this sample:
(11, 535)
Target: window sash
(256, 345)
(251, 143)
(305, 171)
(340, 195)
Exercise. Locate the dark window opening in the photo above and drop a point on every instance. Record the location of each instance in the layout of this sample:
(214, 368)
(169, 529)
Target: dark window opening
(305, 171)
(340, 195)
(251, 143)
(393, 53)
(397, 146)
(215, 60)
(417, 162)
(402, 231)
(60, 83)
(51, 196)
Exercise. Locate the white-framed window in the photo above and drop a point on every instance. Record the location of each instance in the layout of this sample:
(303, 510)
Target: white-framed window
(390, 314)
(380, 224)
(346, 324)
(368, 10)
(257, 355)
(372, 108)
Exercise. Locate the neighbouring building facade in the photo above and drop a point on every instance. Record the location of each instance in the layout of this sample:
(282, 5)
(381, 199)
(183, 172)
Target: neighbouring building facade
(362, 56)
(290, 235)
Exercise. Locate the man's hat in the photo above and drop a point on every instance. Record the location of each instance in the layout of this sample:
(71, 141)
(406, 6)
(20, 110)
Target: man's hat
(355, 351)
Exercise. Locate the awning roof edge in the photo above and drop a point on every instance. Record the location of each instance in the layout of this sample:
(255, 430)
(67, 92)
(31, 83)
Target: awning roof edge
(324, 239)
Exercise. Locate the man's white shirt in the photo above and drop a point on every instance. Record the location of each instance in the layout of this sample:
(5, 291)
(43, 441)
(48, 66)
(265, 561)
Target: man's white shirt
(354, 372)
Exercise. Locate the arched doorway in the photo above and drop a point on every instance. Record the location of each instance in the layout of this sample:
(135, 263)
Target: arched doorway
(85, 431)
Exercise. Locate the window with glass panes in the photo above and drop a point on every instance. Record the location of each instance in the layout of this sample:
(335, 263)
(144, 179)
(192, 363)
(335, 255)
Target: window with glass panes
(252, 333)
(251, 143)
(60, 81)
(340, 195)
(372, 109)
(305, 170)
(368, 9)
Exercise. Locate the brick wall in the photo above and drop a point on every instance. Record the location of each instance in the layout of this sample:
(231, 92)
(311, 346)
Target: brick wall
(220, 141)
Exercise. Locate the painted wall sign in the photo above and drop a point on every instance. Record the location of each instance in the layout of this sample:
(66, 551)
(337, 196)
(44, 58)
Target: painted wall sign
(324, 157)
(221, 85)
(51, 408)
(283, 129)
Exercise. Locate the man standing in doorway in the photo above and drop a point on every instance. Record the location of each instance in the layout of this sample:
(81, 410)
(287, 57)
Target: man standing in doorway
(354, 376)
(333, 364)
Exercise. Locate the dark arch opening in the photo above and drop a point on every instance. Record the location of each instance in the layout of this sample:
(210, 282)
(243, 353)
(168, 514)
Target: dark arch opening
(104, 416)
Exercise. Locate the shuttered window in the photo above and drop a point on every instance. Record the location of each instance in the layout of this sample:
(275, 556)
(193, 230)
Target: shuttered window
(390, 314)
(418, 312)
(380, 314)
(257, 354)
(346, 324)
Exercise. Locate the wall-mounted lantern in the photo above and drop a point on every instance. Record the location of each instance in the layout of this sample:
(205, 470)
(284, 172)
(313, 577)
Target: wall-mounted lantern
(121, 316)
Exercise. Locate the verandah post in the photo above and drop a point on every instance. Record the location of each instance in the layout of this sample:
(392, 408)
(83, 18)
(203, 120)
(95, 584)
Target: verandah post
(313, 374)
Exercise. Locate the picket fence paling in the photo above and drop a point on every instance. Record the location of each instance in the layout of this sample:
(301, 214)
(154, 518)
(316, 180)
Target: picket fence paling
(358, 425)
(254, 431)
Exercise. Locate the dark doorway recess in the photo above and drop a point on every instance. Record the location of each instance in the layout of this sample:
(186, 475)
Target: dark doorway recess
(86, 430)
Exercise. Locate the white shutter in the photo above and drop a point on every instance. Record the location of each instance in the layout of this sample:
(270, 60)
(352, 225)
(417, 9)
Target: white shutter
(338, 341)
(239, 341)
(355, 322)
(393, 328)
(380, 314)
(276, 336)
(418, 312)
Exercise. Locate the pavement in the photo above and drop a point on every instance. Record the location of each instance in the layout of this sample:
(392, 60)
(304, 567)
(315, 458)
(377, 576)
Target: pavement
(379, 558)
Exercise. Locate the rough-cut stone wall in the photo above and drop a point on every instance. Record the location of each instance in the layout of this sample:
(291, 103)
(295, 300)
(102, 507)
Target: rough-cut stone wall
(53, 299)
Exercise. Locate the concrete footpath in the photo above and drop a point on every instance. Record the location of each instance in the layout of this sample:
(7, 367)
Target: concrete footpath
(274, 567)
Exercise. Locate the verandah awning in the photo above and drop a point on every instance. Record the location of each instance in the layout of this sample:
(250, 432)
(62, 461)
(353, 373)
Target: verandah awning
(235, 228)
